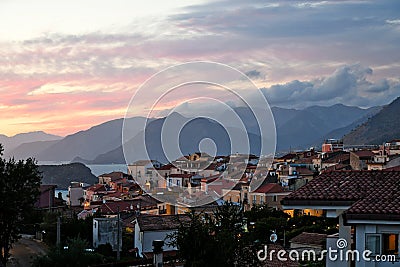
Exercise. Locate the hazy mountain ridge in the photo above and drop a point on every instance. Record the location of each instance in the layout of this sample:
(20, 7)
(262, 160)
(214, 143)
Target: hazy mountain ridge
(308, 127)
(31, 149)
(296, 129)
(341, 132)
(380, 128)
(90, 143)
(311, 126)
(12, 142)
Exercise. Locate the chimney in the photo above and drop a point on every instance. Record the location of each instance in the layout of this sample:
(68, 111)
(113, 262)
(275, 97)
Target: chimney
(158, 253)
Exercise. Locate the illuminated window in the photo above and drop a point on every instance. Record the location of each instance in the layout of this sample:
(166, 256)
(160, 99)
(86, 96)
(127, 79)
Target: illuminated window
(390, 244)
(383, 244)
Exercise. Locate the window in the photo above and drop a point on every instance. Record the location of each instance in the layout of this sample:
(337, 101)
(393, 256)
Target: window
(262, 200)
(382, 244)
(178, 183)
(373, 243)
(390, 244)
(254, 199)
(275, 198)
(170, 182)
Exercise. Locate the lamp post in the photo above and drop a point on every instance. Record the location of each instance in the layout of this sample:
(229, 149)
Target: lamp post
(118, 238)
(58, 242)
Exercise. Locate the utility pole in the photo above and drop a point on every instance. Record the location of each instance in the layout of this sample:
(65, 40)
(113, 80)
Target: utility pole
(284, 238)
(118, 238)
(58, 231)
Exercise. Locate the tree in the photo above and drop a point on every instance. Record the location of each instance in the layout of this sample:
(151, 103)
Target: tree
(194, 240)
(75, 255)
(215, 240)
(19, 188)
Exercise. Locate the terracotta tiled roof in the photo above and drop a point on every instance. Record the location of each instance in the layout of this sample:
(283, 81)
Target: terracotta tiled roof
(251, 166)
(161, 222)
(112, 207)
(180, 175)
(113, 175)
(166, 167)
(382, 203)
(117, 194)
(145, 202)
(337, 167)
(288, 156)
(337, 157)
(364, 153)
(309, 239)
(396, 168)
(212, 166)
(97, 188)
(308, 160)
(219, 184)
(370, 194)
(210, 179)
(269, 188)
(147, 199)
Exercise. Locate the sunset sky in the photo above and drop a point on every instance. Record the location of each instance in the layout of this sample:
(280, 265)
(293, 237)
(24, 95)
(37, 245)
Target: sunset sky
(68, 65)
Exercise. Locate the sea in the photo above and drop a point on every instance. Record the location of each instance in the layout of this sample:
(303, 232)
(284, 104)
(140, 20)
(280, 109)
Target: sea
(97, 169)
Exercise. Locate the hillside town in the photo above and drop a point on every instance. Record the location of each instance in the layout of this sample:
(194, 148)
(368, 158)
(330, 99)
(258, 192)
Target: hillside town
(354, 185)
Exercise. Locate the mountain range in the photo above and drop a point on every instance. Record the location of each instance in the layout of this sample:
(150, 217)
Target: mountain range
(13, 142)
(383, 127)
(296, 129)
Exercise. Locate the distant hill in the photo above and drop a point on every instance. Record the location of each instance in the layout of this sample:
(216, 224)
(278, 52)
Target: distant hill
(63, 175)
(283, 115)
(90, 143)
(341, 132)
(10, 143)
(305, 127)
(299, 129)
(101, 144)
(30, 150)
(191, 135)
(384, 126)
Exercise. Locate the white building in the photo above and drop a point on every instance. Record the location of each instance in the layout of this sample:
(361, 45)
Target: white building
(155, 227)
(75, 195)
(367, 206)
(143, 168)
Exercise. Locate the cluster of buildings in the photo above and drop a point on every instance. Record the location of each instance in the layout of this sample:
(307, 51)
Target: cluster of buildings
(358, 185)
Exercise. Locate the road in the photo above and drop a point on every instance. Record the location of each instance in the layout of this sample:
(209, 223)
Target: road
(24, 251)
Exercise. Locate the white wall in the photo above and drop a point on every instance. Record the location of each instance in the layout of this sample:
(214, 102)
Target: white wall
(75, 193)
(143, 241)
(362, 230)
(148, 238)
